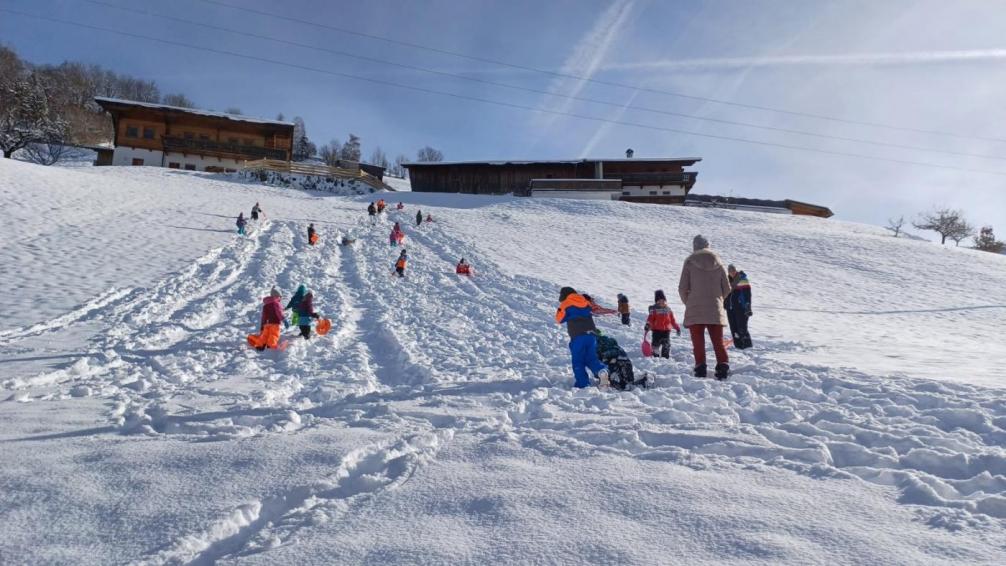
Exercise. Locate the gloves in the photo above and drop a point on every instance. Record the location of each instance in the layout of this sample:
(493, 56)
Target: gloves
(647, 327)
(316, 316)
(749, 313)
(679, 333)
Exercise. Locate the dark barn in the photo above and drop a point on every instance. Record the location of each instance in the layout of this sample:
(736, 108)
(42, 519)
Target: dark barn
(643, 180)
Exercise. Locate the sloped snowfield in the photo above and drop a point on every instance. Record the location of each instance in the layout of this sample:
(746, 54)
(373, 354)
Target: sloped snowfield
(436, 424)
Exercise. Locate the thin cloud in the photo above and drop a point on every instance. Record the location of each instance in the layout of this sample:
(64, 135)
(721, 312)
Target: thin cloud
(589, 54)
(852, 59)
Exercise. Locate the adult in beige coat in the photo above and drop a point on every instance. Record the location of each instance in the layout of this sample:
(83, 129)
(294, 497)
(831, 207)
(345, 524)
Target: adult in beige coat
(703, 287)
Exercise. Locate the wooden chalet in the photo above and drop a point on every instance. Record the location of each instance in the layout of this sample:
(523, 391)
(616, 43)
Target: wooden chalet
(662, 181)
(197, 140)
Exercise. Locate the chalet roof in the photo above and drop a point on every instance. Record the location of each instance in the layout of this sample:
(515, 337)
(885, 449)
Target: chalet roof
(682, 160)
(109, 103)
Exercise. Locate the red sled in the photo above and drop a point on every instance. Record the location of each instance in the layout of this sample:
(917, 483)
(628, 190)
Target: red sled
(647, 348)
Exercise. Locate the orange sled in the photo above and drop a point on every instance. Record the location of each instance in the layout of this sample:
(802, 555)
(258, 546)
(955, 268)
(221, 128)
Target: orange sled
(324, 325)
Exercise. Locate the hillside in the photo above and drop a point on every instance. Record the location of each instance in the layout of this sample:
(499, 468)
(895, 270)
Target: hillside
(436, 422)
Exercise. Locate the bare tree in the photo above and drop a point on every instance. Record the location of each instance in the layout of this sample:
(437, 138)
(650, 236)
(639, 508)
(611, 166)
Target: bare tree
(379, 158)
(398, 167)
(429, 155)
(329, 152)
(25, 115)
(178, 99)
(946, 222)
(47, 152)
(233, 110)
(303, 148)
(986, 241)
(895, 225)
(961, 231)
(280, 117)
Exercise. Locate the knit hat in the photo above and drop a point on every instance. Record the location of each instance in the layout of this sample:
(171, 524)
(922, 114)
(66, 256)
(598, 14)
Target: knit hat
(659, 295)
(274, 292)
(731, 267)
(700, 243)
(565, 292)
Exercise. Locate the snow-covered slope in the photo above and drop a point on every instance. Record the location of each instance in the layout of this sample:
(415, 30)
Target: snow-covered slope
(436, 423)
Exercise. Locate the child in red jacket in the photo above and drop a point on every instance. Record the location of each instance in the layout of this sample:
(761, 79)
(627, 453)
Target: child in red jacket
(660, 322)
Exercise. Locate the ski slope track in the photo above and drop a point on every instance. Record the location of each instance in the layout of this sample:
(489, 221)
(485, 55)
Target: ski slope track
(436, 422)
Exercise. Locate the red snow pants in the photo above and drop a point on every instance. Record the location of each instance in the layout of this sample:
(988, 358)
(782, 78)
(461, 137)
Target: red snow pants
(698, 332)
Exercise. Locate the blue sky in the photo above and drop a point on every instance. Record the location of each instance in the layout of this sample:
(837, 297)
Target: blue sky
(925, 65)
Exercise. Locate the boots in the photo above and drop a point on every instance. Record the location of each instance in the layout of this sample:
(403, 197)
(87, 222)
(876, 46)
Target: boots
(604, 379)
(700, 370)
(722, 371)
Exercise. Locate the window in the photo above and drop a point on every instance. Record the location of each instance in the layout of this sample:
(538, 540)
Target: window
(148, 133)
(132, 132)
(626, 193)
(190, 167)
(137, 161)
(174, 165)
(667, 192)
(230, 170)
(189, 135)
(653, 193)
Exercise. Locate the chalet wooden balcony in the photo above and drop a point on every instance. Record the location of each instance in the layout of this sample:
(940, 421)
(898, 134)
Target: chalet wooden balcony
(687, 178)
(209, 147)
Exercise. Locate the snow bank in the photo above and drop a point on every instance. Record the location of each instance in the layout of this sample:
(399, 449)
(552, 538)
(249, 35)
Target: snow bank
(436, 423)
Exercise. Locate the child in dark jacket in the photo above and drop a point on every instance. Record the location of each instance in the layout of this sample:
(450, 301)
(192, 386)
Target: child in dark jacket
(312, 235)
(305, 312)
(241, 223)
(623, 308)
(660, 322)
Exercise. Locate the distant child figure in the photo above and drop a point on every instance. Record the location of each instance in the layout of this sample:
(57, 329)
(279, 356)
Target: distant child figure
(403, 258)
(295, 300)
(256, 210)
(623, 308)
(574, 312)
(241, 223)
(305, 312)
(312, 236)
(401, 206)
(429, 217)
(397, 236)
(419, 218)
(272, 317)
(372, 212)
(463, 268)
(738, 307)
(380, 206)
(660, 322)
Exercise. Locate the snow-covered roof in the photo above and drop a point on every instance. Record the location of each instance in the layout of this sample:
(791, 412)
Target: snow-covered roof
(103, 100)
(557, 161)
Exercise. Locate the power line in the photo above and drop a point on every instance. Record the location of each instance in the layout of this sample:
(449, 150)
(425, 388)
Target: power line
(489, 101)
(538, 91)
(597, 81)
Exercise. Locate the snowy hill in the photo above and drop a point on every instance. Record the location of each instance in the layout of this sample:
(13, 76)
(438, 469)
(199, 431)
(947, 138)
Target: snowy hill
(436, 423)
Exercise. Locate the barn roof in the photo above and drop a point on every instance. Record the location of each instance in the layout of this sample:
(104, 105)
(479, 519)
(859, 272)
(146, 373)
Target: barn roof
(118, 103)
(682, 160)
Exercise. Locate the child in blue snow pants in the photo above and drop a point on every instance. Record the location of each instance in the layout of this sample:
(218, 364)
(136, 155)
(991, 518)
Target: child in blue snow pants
(583, 350)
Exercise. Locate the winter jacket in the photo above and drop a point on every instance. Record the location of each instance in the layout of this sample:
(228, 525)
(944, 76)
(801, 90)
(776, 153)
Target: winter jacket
(623, 304)
(419, 217)
(272, 312)
(297, 298)
(703, 288)
(371, 210)
(463, 269)
(305, 309)
(400, 264)
(740, 294)
(661, 319)
(575, 313)
(241, 222)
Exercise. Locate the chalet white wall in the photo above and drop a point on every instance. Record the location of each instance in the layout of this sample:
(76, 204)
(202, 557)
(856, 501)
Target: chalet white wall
(124, 156)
